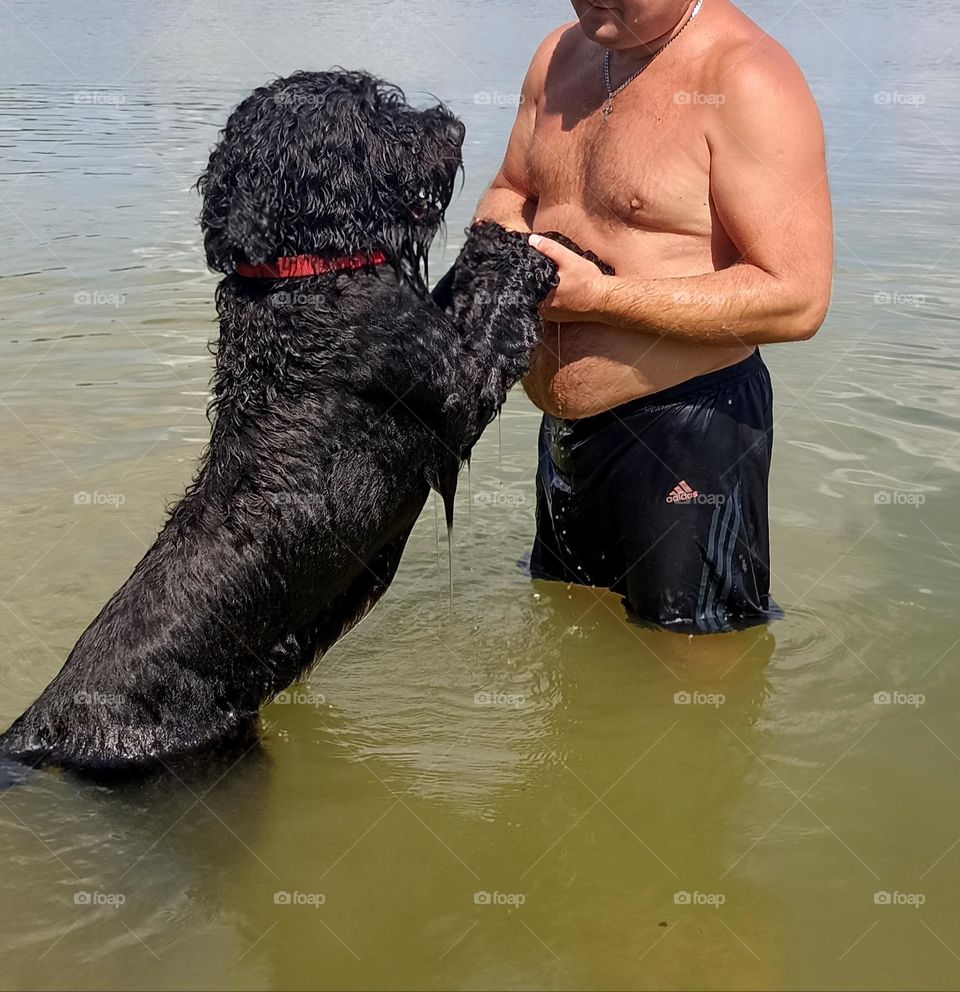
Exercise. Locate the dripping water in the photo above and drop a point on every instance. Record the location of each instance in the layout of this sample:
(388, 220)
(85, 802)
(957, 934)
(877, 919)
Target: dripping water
(448, 501)
(450, 565)
(500, 441)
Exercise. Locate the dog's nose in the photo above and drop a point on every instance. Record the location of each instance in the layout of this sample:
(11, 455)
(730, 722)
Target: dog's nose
(458, 131)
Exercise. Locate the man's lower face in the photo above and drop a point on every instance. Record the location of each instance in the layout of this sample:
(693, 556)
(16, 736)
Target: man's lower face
(627, 23)
(601, 20)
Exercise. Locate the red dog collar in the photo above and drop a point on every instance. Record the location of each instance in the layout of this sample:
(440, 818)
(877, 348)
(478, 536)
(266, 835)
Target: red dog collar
(297, 266)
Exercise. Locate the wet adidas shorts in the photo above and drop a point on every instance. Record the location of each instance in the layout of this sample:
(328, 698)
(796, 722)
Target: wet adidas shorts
(664, 501)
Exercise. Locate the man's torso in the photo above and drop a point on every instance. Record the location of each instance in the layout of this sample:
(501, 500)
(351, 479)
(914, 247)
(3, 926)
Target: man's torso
(636, 190)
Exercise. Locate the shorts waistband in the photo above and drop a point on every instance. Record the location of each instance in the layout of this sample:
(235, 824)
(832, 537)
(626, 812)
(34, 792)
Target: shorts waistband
(708, 382)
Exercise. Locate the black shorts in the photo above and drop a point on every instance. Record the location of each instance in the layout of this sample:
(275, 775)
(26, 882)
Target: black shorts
(664, 500)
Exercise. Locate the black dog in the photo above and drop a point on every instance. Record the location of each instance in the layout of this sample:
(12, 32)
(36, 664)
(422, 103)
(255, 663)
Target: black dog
(340, 396)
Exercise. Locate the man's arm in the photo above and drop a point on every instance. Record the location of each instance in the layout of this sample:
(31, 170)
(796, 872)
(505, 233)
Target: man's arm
(511, 199)
(769, 190)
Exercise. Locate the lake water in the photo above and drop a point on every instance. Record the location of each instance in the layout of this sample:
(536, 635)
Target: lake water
(573, 825)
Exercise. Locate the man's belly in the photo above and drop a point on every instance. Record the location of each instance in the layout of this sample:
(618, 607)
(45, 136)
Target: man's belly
(579, 370)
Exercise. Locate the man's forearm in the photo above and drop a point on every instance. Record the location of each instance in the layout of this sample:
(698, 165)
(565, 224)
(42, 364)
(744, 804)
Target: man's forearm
(506, 206)
(740, 304)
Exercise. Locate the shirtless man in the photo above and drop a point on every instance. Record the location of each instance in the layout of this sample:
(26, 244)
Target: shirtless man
(703, 183)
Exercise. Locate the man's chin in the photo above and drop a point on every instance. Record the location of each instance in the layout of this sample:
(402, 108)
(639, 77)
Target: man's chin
(604, 26)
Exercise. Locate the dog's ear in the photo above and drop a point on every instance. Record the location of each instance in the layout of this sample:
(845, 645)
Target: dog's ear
(243, 231)
(239, 213)
(251, 222)
(249, 212)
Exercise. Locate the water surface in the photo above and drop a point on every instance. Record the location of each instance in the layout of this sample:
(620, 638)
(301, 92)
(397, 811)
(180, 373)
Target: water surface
(527, 743)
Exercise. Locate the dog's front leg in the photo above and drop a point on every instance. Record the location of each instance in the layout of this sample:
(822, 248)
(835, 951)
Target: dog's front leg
(496, 301)
(493, 294)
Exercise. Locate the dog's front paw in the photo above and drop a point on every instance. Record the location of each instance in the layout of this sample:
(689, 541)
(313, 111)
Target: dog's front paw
(562, 239)
(528, 277)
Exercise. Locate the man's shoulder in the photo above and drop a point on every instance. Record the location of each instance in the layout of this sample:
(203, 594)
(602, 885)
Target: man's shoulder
(564, 37)
(761, 85)
(559, 46)
(750, 64)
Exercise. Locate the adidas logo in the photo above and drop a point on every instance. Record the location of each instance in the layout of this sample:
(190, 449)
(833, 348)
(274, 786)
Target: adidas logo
(682, 493)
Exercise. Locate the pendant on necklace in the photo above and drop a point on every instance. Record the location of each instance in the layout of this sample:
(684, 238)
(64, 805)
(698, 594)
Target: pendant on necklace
(607, 110)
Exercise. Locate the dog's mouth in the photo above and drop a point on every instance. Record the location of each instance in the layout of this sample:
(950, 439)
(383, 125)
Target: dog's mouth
(422, 209)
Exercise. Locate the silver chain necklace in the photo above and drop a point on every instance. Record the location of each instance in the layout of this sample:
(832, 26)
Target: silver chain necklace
(611, 92)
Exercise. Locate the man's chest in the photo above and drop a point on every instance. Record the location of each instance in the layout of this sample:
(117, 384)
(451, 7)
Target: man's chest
(644, 165)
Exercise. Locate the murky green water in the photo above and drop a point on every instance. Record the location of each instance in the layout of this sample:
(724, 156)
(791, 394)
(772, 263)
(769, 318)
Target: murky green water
(575, 791)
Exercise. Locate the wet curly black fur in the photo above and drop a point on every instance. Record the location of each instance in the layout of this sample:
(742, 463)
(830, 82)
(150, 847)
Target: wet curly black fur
(331, 161)
(338, 401)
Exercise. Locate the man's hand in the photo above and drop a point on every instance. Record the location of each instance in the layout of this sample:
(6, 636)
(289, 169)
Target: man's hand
(582, 289)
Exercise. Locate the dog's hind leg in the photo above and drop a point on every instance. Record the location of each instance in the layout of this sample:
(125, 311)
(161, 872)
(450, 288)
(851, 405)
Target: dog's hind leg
(292, 658)
(351, 606)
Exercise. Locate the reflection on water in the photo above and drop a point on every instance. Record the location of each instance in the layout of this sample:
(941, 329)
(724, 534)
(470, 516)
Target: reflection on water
(522, 791)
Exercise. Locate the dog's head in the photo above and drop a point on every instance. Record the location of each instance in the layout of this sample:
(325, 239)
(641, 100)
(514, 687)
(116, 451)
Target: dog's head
(330, 163)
